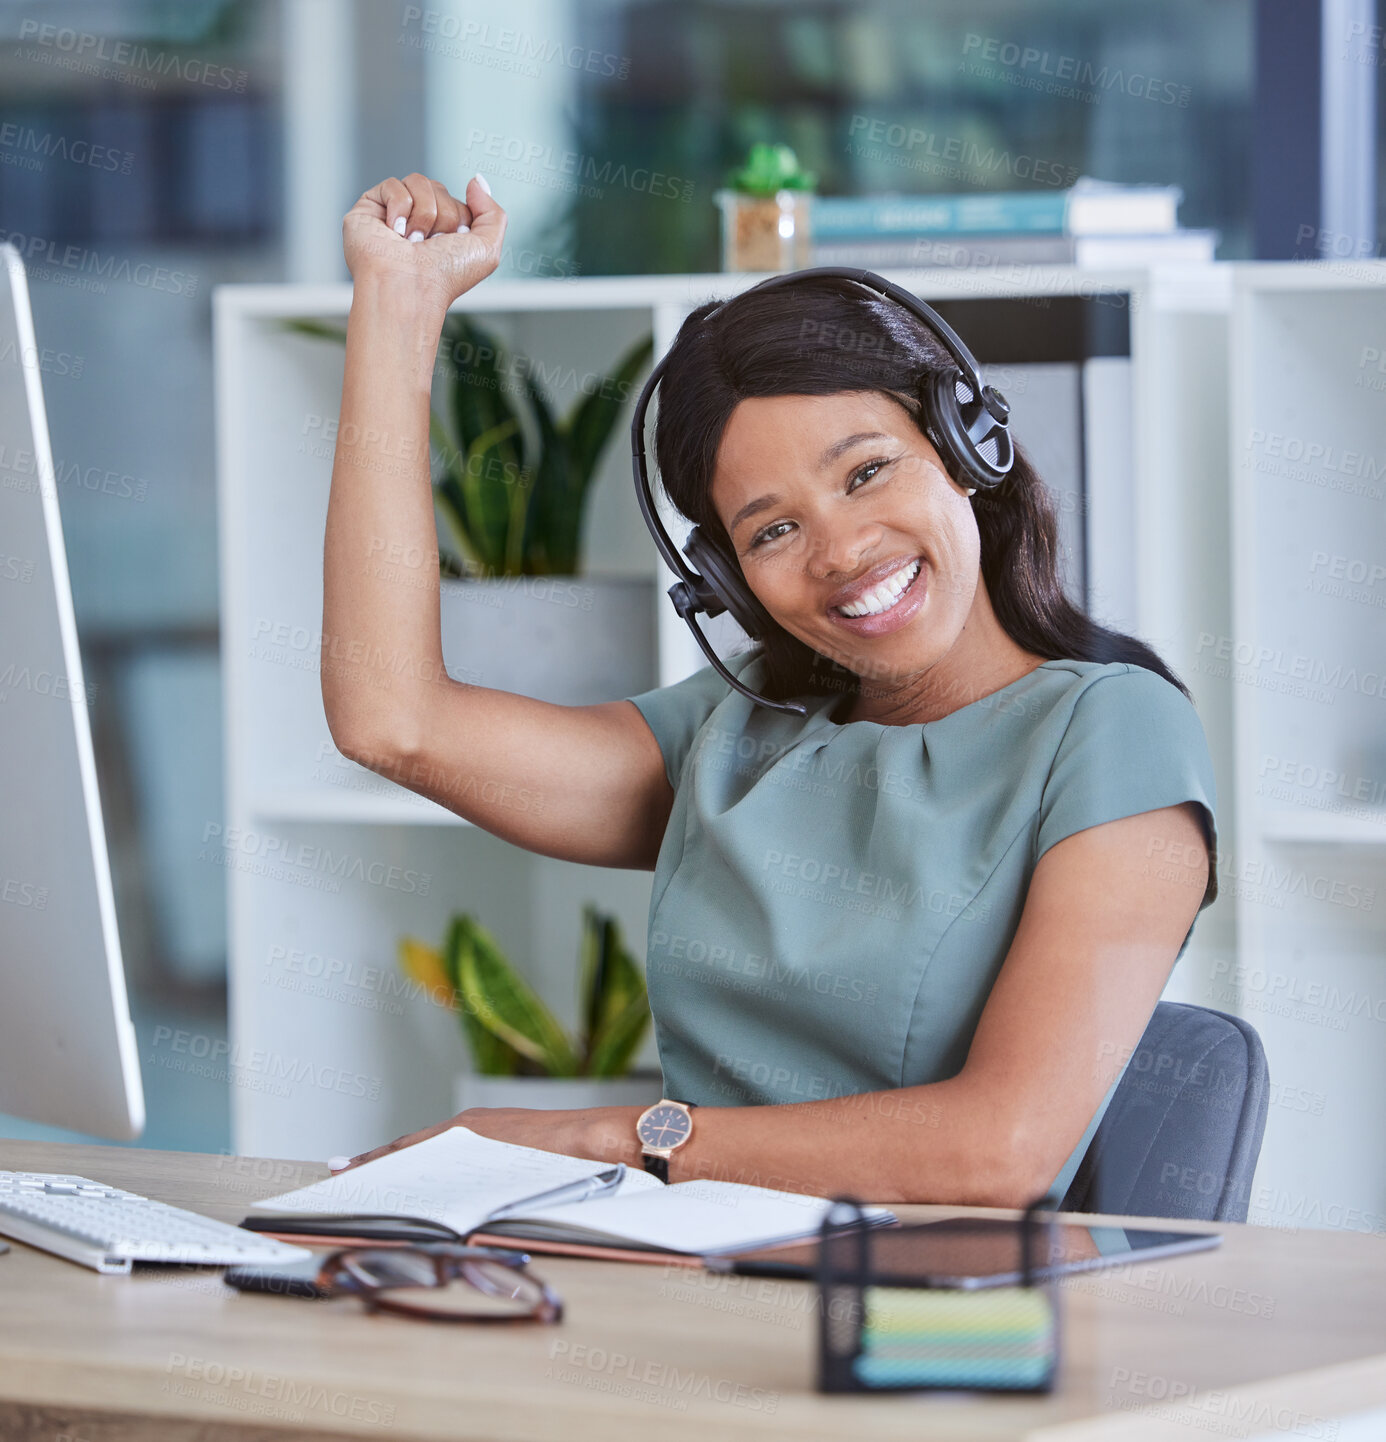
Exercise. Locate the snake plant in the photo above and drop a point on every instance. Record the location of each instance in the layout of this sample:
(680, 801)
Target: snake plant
(511, 507)
(508, 1028)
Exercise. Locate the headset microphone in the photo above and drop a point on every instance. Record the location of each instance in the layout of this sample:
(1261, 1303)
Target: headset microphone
(967, 421)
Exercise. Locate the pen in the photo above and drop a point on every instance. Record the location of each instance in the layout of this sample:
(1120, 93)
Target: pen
(577, 1191)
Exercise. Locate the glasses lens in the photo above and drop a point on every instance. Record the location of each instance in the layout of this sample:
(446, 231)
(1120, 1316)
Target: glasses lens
(399, 1267)
(482, 1290)
(471, 1287)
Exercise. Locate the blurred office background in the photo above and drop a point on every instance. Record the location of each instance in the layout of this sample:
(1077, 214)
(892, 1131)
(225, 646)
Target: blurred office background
(241, 130)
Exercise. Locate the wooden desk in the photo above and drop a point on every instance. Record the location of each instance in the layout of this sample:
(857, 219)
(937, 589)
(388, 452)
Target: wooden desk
(1275, 1334)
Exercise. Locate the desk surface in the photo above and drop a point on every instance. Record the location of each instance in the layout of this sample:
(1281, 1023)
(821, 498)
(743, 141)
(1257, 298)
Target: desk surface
(1271, 1334)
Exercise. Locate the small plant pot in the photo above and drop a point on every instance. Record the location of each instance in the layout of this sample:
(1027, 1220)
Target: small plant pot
(573, 640)
(765, 232)
(543, 1093)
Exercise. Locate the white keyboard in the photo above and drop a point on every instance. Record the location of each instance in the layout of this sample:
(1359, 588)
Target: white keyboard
(107, 1229)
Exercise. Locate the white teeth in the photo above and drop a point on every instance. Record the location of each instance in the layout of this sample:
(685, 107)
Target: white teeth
(884, 595)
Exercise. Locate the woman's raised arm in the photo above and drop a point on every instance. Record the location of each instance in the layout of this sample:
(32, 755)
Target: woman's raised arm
(583, 783)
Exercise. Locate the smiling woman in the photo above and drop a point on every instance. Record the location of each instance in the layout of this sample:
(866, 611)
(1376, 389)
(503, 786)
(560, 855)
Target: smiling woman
(924, 925)
(902, 943)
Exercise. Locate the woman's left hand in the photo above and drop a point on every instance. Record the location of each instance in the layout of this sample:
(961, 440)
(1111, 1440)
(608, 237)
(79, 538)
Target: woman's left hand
(602, 1134)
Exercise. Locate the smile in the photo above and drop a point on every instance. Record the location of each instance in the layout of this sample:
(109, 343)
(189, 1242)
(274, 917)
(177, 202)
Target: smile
(886, 606)
(884, 595)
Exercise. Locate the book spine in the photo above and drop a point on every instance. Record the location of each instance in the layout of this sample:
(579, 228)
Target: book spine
(963, 252)
(1011, 212)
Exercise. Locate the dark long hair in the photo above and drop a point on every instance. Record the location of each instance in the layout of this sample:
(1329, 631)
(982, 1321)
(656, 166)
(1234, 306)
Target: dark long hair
(823, 337)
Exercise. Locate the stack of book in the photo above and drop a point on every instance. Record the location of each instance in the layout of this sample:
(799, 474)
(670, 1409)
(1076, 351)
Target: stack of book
(1092, 223)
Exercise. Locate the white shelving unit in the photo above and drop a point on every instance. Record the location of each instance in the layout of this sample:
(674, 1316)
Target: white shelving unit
(328, 864)
(1305, 661)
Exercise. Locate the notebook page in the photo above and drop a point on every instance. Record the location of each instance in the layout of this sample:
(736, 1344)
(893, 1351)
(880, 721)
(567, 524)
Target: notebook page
(699, 1216)
(457, 1177)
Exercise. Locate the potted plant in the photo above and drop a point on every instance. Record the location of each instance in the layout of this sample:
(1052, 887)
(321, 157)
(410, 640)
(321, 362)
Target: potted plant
(521, 1055)
(510, 494)
(766, 211)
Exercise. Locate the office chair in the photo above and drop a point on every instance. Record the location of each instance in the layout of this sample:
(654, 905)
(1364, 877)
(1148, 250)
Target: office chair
(1183, 1130)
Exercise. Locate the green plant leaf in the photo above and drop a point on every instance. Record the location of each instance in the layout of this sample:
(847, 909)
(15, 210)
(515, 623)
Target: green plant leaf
(611, 986)
(479, 405)
(318, 329)
(552, 523)
(618, 1039)
(507, 517)
(491, 1055)
(447, 490)
(507, 1006)
(591, 970)
(486, 490)
(590, 423)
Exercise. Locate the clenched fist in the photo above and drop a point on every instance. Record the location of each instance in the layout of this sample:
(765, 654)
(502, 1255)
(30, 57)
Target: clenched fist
(412, 230)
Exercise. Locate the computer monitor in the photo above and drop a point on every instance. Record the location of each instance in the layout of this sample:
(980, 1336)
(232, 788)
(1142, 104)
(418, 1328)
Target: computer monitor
(67, 1046)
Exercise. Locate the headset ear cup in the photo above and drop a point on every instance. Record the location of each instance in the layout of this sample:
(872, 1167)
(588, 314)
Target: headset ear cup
(726, 585)
(968, 464)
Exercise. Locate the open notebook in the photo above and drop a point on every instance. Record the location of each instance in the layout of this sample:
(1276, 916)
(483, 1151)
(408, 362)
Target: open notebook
(467, 1181)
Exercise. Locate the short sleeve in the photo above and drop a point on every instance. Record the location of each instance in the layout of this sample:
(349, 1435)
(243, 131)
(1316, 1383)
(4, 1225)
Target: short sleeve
(1133, 743)
(677, 713)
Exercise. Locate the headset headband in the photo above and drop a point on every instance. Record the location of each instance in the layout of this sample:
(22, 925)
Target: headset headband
(963, 427)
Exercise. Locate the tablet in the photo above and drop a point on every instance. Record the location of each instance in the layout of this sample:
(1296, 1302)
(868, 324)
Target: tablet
(972, 1252)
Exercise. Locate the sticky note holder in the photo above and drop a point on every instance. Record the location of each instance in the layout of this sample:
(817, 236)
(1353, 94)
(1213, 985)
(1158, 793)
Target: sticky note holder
(890, 1321)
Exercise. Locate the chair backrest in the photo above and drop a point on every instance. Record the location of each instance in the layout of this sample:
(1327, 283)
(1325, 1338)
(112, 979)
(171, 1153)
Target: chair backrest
(1182, 1132)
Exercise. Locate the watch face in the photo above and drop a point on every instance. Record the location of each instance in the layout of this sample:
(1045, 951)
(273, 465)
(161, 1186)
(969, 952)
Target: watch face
(664, 1126)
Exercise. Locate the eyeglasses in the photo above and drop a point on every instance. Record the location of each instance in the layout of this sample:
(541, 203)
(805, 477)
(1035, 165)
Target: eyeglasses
(442, 1282)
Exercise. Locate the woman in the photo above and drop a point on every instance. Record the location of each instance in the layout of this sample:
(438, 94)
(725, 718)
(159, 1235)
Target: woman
(901, 946)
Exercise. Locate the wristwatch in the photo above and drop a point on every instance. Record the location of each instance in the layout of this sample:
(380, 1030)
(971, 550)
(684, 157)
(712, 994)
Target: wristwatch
(661, 1128)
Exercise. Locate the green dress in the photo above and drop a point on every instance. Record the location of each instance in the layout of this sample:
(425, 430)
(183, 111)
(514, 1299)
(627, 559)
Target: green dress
(832, 901)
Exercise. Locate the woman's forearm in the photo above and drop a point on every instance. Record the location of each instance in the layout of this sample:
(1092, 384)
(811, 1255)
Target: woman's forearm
(382, 648)
(942, 1142)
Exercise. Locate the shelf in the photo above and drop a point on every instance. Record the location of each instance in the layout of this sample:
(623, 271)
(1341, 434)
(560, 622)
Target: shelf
(1326, 827)
(364, 807)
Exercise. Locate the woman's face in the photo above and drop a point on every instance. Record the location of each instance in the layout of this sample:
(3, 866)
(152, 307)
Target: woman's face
(850, 490)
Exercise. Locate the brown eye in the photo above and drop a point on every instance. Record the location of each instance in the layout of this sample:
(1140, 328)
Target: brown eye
(874, 465)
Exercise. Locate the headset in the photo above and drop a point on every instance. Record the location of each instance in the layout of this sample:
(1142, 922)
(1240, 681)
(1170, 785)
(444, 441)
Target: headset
(967, 421)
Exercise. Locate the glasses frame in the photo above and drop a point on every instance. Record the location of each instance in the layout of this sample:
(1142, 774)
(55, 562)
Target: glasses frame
(450, 1257)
